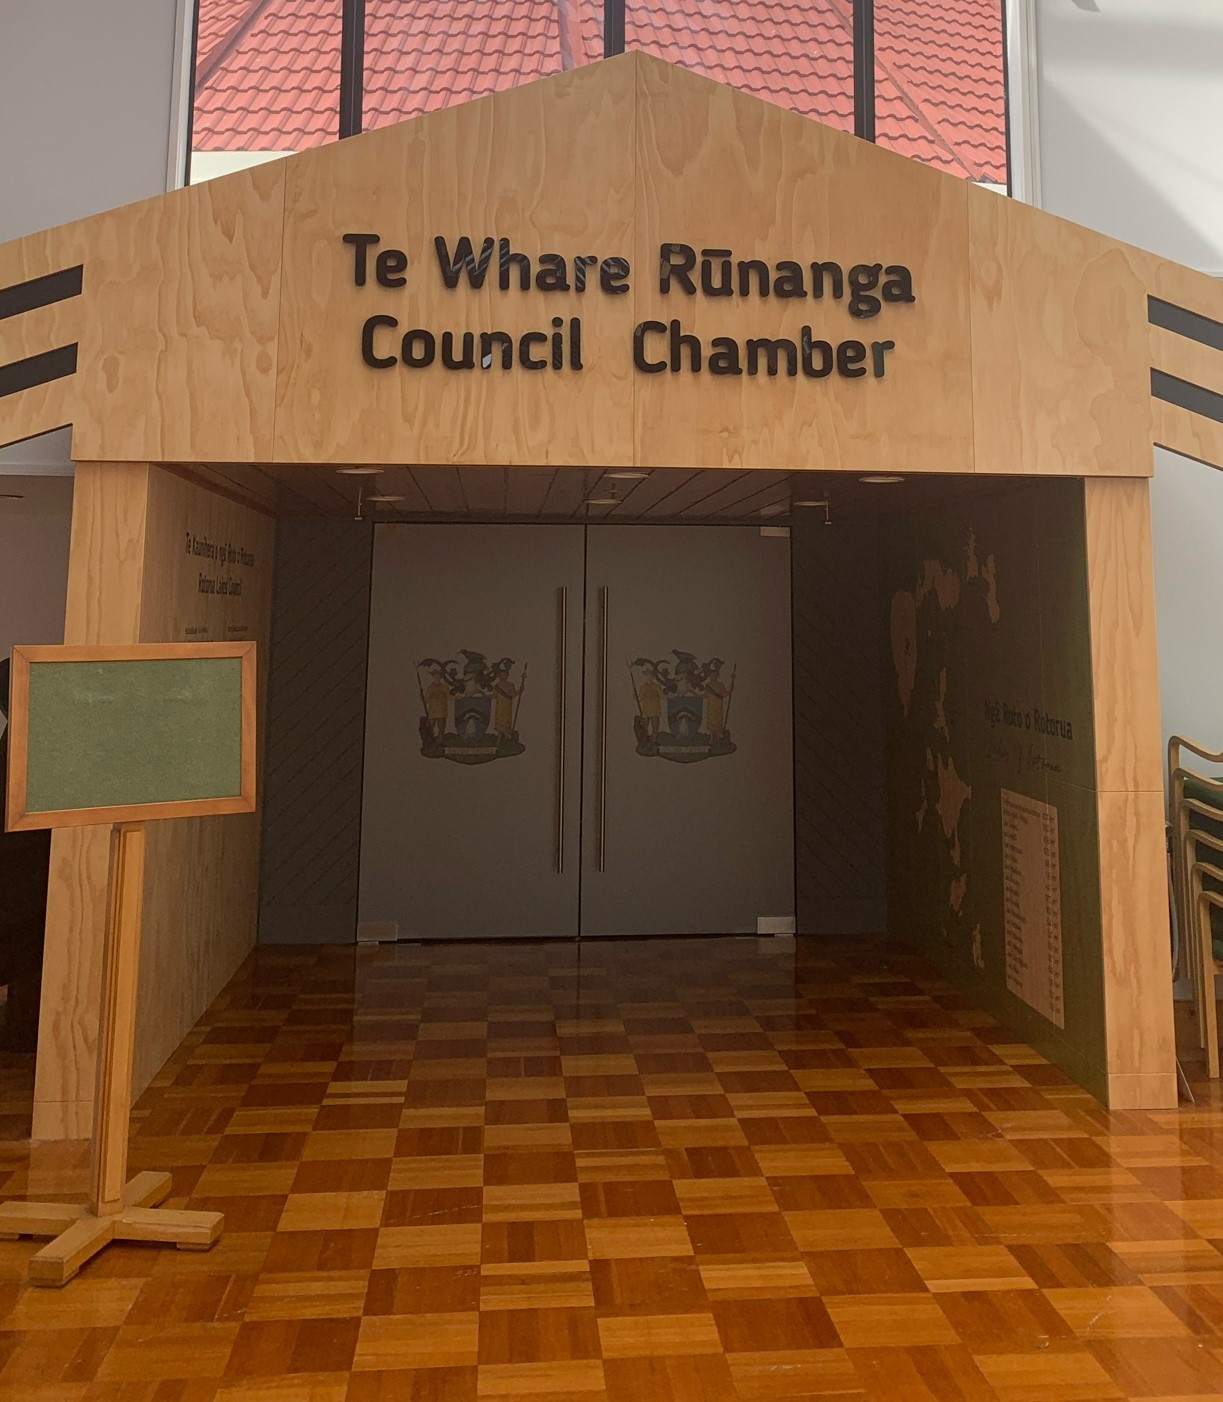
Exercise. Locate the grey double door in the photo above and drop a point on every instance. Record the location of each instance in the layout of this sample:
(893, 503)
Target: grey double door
(577, 730)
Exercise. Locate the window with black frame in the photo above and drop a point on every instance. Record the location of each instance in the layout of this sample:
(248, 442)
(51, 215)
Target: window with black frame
(275, 76)
(940, 85)
(266, 81)
(421, 55)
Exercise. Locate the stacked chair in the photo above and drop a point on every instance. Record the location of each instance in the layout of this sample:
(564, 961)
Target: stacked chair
(1195, 821)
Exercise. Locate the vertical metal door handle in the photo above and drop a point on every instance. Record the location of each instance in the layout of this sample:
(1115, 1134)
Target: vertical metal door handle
(602, 727)
(562, 692)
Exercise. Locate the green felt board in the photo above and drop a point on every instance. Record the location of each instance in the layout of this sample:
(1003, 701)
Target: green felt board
(104, 734)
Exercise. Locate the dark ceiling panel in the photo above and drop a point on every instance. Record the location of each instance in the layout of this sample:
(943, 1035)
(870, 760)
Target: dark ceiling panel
(443, 490)
(398, 481)
(729, 491)
(695, 489)
(638, 494)
(312, 491)
(725, 495)
(484, 489)
(568, 489)
(527, 489)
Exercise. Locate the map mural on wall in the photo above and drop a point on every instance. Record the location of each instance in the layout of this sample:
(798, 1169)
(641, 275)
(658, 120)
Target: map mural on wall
(921, 634)
(992, 813)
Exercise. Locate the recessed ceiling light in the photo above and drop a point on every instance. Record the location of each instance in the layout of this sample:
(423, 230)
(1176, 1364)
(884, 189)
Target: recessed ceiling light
(383, 500)
(882, 479)
(602, 501)
(627, 475)
(822, 502)
(358, 471)
(775, 510)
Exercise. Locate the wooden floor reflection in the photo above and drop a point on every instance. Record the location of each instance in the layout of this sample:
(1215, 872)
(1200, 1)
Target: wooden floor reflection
(649, 1171)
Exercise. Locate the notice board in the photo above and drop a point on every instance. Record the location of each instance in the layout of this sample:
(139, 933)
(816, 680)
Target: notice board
(134, 733)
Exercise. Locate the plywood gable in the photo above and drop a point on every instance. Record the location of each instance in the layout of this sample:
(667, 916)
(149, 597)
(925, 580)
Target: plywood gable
(172, 333)
(223, 323)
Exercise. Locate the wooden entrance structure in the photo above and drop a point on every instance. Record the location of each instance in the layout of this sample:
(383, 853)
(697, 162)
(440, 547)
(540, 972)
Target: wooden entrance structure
(233, 324)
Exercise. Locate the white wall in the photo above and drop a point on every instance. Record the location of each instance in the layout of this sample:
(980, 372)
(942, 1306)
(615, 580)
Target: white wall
(33, 559)
(86, 89)
(1130, 107)
(85, 92)
(1131, 103)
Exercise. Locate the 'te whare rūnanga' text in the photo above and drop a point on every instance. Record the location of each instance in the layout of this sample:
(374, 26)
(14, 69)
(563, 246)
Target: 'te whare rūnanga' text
(659, 346)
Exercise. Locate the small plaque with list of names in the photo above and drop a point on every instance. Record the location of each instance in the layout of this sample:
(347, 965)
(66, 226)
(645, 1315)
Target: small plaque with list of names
(1032, 899)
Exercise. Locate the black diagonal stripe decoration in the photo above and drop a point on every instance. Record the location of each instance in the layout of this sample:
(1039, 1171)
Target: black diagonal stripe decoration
(41, 291)
(37, 369)
(1185, 323)
(1187, 395)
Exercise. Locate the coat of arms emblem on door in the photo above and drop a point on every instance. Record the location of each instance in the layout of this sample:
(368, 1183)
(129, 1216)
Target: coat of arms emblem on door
(683, 707)
(469, 707)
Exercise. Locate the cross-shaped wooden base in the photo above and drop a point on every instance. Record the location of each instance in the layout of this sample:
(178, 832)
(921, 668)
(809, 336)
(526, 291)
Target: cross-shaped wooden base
(118, 1209)
(80, 1235)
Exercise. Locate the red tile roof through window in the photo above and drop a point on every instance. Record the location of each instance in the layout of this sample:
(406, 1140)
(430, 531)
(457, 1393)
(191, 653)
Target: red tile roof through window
(267, 74)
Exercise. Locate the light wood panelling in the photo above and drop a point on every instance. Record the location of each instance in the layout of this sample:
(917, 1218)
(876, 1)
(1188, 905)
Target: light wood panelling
(548, 166)
(131, 579)
(48, 406)
(1121, 587)
(37, 411)
(180, 322)
(1061, 380)
(106, 555)
(1130, 801)
(117, 1030)
(717, 168)
(176, 324)
(105, 582)
(1187, 359)
(40, 329)
(1137, 956)
(201, 900)
(1187, 287)
(1190, 434)
(244, 483)
(178, 357)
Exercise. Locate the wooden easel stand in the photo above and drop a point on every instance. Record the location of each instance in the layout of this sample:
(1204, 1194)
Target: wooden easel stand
(117, 1210)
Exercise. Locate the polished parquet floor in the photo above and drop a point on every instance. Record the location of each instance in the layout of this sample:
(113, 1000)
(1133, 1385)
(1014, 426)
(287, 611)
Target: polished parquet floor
(718, 1169)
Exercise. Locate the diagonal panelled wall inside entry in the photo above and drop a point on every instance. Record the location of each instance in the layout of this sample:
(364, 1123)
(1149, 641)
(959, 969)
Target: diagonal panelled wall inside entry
(315, 732)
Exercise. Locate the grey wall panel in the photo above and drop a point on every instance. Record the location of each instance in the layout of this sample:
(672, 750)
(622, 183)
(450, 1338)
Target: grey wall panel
(459, 834)
(315, 733)
(692, 844)
(840, 824)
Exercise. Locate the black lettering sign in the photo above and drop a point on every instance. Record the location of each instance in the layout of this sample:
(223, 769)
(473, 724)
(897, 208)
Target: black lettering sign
(658, 347)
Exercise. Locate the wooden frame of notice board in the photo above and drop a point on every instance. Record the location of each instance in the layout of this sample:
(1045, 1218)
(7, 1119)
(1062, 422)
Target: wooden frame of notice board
(118, 743)
(19, 814)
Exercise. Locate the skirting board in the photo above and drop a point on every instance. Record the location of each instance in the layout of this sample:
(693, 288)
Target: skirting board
(377, 931)
(308, 924)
